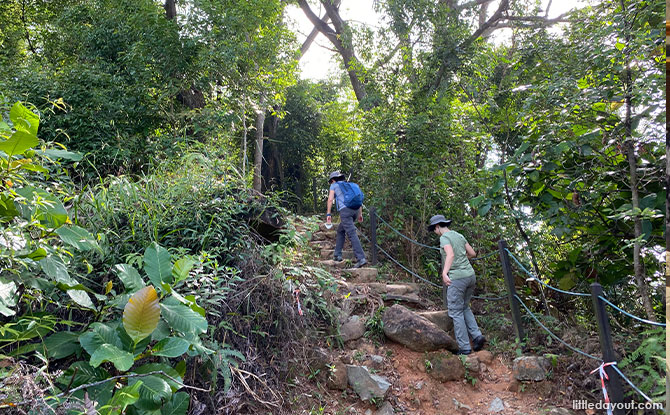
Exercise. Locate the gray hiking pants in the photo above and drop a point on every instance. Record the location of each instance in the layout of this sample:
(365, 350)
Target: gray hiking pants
(347, 217)
(459, 294)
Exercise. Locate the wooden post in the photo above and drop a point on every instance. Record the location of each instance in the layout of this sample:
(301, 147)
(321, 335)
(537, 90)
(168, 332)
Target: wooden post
(373, 236)
(614, 384)
(511, 290)
(314, 194)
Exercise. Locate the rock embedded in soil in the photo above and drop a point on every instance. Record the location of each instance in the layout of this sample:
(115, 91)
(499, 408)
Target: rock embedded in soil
(445, 367)
(365, 384)
(353, 329)
(484, 356)
(497, 406)
(533, 368)
(415, 332)
(386, 409)
(337, 378)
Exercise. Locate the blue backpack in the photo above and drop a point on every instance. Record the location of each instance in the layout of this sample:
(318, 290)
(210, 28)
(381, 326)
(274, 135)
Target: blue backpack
(353, 196)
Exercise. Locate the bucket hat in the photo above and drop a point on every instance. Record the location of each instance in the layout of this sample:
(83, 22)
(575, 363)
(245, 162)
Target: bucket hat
(437, 219)
(335, 175)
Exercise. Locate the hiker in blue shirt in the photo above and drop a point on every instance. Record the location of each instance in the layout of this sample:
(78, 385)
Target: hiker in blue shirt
(349, 200)
(459, 278)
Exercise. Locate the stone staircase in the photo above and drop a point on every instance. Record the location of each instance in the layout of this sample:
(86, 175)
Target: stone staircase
(416, 327)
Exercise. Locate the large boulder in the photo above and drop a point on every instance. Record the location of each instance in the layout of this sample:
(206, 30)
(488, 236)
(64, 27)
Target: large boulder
(415, 332)
(533, 368)
(365, 384)
(441, 318)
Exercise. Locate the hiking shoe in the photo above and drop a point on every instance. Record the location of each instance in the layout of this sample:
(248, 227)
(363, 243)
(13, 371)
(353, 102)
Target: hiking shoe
(478, 343)
(461, 351)
(361, 263)
(337, 259)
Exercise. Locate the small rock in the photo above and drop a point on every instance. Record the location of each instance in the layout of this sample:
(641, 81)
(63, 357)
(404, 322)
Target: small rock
(337, 377)
(377, 359)
(445, 367)
(459, 405)
(485, 356)
(483, 368)
(419, 385)
(353, 329)
(368, 412)
(472, 363)
(497, 406)
(531, 368)
(319, 358)
(367, 385)
(386, 409)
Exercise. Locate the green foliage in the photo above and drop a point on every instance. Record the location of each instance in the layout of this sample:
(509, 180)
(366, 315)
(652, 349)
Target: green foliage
(646, 365)
(374, 326)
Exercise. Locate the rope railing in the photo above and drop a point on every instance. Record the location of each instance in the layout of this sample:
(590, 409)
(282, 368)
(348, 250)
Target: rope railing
(420, 277)
(505, 253)
(653, 323)
(632, 385)
(424, 245)
(403, 235)
(530, 313)
(533, 277)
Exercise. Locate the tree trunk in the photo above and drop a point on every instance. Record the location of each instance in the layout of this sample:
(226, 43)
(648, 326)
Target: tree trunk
(336, 36)
(170, 7)
(244, 139)
(258, 158)
(629, 147)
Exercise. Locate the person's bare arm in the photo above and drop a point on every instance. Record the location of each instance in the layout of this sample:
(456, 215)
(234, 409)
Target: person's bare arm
(448, 260)
(331, 198)
(469, 251)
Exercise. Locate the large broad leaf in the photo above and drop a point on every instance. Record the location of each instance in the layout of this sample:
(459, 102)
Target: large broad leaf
(141, 314)
(158, 264)
(61, 154)
(80, 373)
(78, 237)
(55, 269)
(18, 143)
(154, 389)
(62, 344)
(24, 119)
(170, 347)
(41, 205)
(181, 269)
(178, 405)
(129, 276)
(8, 297)
(123, 397)
(176, 381)
(82, 298)
(98, 335)
(121, 359)
(183, 319)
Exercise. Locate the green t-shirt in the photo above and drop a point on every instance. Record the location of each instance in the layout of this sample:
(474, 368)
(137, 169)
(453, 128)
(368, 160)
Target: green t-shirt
(461, 267)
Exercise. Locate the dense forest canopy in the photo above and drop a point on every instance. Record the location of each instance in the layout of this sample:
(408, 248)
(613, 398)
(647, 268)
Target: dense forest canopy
(166, 128)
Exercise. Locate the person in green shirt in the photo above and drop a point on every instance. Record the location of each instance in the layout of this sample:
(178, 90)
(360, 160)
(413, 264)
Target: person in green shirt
(459, 278)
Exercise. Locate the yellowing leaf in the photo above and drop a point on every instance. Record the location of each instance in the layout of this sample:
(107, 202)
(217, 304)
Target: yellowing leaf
(108, 287)
(141, 314)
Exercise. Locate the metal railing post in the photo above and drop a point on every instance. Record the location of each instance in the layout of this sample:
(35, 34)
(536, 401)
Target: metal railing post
(373, 236)
(511, 290)
(606, 345)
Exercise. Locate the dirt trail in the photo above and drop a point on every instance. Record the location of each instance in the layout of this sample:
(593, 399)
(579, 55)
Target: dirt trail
(415, 392)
